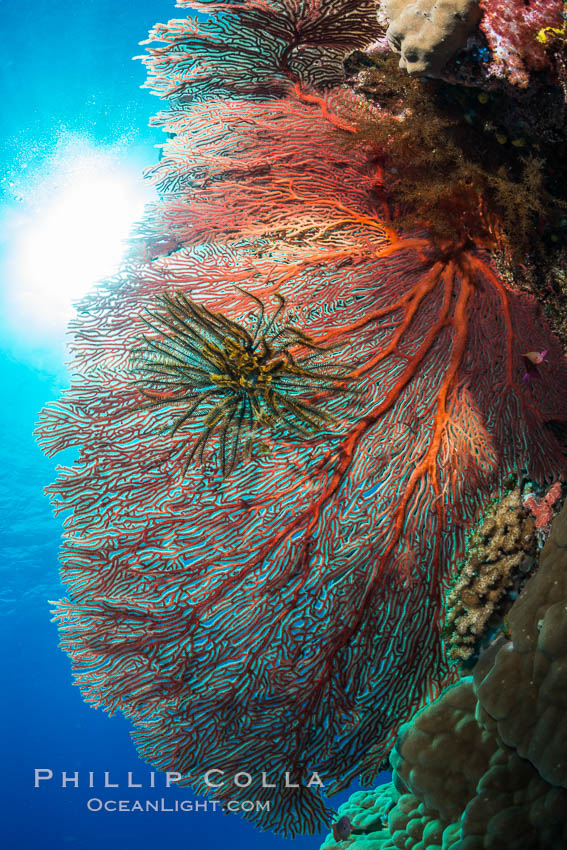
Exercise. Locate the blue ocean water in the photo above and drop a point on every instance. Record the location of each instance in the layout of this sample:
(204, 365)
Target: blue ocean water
(69, 89)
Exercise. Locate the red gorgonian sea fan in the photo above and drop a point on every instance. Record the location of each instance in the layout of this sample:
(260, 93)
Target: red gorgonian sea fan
(284, 617)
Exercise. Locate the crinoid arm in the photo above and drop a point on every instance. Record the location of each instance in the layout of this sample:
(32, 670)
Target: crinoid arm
(225, 383)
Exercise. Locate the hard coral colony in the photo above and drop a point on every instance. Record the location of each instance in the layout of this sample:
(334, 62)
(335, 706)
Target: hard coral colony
(255, 576)
(484, 765)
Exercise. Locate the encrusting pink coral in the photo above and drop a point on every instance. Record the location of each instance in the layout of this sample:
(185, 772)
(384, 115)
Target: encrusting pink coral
(543, 509)
(511, 28)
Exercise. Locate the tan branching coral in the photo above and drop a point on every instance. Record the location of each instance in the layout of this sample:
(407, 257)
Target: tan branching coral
(499, 558)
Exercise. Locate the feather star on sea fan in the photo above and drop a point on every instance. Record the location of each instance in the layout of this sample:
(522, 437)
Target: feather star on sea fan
(286, 617)
(243, 379)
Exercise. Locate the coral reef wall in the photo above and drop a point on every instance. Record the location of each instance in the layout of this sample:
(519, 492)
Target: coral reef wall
(285, 616)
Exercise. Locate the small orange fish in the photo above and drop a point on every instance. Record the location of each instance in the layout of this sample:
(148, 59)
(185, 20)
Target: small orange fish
(533, 359)
(536, 357)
